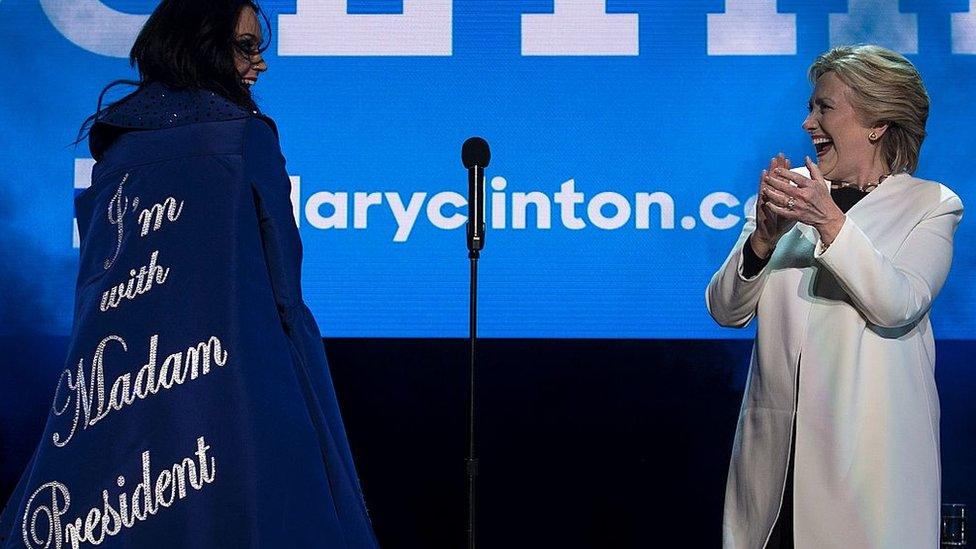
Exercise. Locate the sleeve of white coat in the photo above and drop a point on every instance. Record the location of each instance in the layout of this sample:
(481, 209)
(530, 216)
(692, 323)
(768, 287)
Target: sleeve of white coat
(895, 291)
(730, 297)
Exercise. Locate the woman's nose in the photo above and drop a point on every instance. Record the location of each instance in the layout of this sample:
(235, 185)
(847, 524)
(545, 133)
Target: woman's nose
(809, 123)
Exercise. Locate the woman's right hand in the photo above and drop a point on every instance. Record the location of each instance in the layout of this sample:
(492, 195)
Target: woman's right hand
(769, 226)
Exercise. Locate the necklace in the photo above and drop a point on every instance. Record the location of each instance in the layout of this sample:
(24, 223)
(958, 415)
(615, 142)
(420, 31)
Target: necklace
(865, 189)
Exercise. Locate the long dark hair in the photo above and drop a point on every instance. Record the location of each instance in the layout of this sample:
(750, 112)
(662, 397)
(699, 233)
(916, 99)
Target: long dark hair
(191, 44)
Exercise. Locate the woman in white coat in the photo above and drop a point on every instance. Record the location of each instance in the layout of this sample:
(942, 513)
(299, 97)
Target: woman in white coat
(837, 444)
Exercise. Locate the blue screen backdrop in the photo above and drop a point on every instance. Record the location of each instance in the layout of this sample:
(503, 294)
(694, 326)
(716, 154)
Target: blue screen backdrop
(626, 136)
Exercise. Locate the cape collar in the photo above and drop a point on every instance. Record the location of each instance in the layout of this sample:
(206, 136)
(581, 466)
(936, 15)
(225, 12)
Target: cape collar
(157, 106)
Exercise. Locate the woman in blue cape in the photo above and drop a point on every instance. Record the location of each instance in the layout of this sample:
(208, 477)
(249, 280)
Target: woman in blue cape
(196, 407)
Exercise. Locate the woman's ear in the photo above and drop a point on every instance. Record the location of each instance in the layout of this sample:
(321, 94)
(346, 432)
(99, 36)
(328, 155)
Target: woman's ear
(877, 131)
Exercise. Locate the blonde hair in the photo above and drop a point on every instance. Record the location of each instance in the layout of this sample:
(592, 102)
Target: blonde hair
(887, 89)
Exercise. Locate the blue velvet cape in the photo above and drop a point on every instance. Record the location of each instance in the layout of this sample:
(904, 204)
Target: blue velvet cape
(196, 407)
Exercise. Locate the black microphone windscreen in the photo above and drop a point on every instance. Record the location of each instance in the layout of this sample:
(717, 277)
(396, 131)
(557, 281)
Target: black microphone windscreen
(475, 152)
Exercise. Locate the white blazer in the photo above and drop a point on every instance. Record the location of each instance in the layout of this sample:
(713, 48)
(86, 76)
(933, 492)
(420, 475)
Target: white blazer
(853, 321)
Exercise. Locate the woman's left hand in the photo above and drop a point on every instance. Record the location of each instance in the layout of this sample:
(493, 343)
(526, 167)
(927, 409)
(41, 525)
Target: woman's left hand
(807, 200)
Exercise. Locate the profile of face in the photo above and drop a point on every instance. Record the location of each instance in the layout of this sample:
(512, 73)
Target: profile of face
(247, 39)
(846, 148)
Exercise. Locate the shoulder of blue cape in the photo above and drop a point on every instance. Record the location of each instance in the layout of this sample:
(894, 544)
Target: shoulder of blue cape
(157, 106)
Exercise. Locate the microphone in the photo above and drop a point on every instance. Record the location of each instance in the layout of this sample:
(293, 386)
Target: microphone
(475, 155)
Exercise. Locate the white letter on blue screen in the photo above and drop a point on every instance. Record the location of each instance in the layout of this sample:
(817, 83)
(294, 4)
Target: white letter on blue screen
(405, 217)
(751, 27)
(94, 26)
(324, 27)
(875, 22)
(296, 198)
(580, 27)
(437, 203)
(643, 214)
(620, 217)
(338, 219)
(83, 171)
(568, 198)
(520, 205)
(707, 211)
(964, 31)
(360, 208)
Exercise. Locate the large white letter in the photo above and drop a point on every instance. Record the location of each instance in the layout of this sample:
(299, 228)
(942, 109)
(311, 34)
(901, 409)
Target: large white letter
(875, 22)
(751, 27)
(339, 219)
(580, 27)
(595, 210)
(662, 199)
(707, 211)
(405, 216)
(964, 31)
(360, 208)
(437, 217)
(83, 171)
(324, 27)
(296, 198)
(498, 183)
(568, 198)
(94, 26)
(520, 205)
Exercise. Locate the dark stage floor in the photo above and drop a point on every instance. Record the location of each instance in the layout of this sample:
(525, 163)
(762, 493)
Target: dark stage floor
(583, 443)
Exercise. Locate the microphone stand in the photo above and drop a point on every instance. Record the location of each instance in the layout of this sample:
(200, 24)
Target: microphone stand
(475, 156)
(472, 461)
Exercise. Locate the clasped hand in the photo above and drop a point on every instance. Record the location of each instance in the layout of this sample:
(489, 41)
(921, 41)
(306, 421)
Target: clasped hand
(788, 197)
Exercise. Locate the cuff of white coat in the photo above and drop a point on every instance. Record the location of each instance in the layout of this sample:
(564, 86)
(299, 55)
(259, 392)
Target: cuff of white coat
(841, 241)
(740, 264)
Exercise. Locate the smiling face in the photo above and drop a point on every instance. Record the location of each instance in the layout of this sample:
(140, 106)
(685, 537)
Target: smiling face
(247, 39)
(845, 149)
